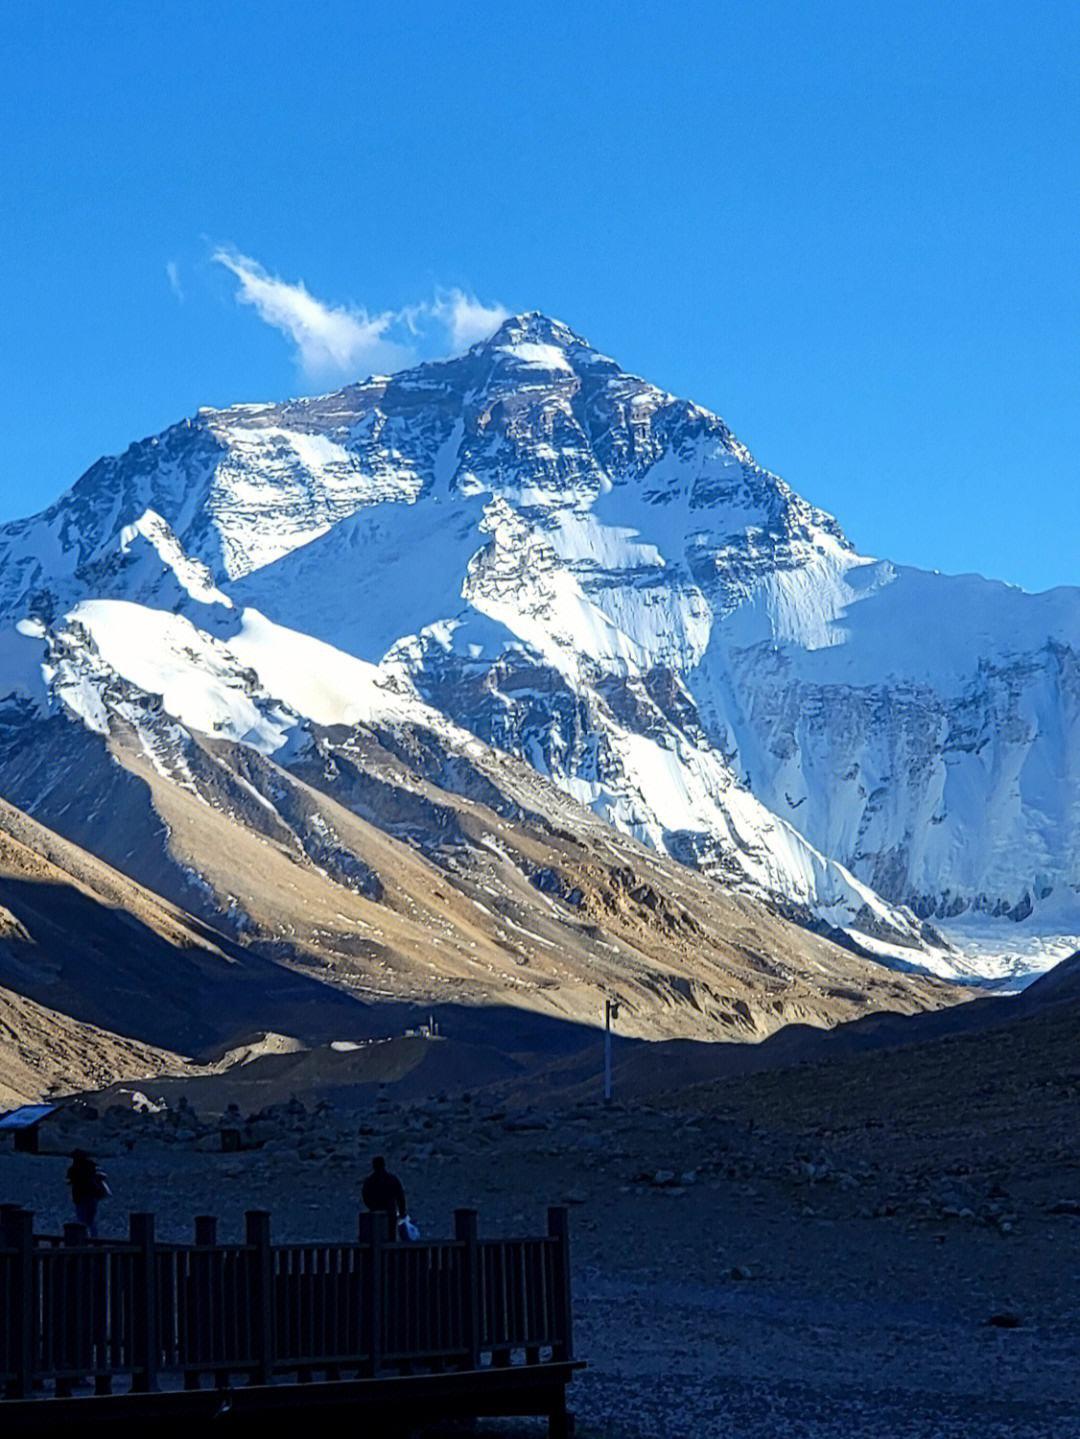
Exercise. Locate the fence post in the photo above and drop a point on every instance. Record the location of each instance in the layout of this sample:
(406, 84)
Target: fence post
(465, 1230)
(75, 1313)
(10, 1212)
(145, 1339)
(204, 1315)
(18, 1234)
(205, 1231)
(257, 1235)
(559, 1230)
(372, 1230)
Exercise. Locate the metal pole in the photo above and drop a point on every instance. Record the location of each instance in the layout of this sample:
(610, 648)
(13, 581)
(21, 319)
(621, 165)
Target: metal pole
(611, 1010)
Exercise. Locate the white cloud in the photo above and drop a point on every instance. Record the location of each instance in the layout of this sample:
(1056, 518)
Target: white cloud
(334, 341)
(329, 339)
(467, 319)
(172, 274)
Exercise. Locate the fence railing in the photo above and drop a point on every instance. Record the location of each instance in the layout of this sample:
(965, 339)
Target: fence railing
(138, 1315)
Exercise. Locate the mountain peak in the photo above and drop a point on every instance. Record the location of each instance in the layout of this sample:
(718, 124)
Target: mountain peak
(533, 327)
(595, 576)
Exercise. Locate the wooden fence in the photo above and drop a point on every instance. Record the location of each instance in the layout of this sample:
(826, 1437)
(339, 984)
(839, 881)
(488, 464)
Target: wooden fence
(138, 1316)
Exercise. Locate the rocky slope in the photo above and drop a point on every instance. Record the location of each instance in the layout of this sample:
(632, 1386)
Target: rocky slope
(381, 872)
(819, 1259)
(73, 935)
(532, 547)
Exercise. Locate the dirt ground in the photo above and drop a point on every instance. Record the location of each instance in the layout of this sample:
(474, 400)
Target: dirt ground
(756, 1284)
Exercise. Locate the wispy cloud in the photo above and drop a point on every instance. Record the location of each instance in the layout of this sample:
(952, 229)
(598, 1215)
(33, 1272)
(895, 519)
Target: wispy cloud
(172, 274)
(329, 339)
(333, 341)
(466, 318)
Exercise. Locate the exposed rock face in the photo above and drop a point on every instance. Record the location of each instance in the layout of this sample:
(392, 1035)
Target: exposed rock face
(349, 892)
(530, 546)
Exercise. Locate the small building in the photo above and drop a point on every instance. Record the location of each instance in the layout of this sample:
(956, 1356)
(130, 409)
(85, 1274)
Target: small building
(24, 1125)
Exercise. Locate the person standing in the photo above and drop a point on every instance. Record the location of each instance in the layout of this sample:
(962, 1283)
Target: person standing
(382, 1193)
(89, 1187)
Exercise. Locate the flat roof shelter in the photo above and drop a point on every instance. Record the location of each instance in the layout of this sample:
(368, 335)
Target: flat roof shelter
(24, 1125)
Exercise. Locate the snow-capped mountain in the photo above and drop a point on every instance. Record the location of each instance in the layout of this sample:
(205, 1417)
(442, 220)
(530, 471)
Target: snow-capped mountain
(528, 547)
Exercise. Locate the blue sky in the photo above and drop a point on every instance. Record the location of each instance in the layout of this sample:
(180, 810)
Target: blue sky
(849, 227)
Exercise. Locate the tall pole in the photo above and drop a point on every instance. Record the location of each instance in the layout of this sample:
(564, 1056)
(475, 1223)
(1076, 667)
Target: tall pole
(611, 1011)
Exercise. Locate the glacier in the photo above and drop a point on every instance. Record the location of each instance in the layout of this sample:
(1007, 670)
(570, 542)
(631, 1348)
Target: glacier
(528, 548)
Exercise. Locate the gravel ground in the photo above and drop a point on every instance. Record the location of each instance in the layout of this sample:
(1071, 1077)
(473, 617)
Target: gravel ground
(754, 1286)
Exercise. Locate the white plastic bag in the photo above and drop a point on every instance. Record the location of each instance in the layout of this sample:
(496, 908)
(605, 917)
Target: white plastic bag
(408, 1230)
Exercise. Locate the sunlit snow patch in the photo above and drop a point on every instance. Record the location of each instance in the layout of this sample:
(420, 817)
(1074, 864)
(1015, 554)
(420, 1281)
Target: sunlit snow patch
(199, 681)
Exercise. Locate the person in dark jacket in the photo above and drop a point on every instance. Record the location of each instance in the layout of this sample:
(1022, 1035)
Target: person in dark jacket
(382, 1193)
(88, 1188)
